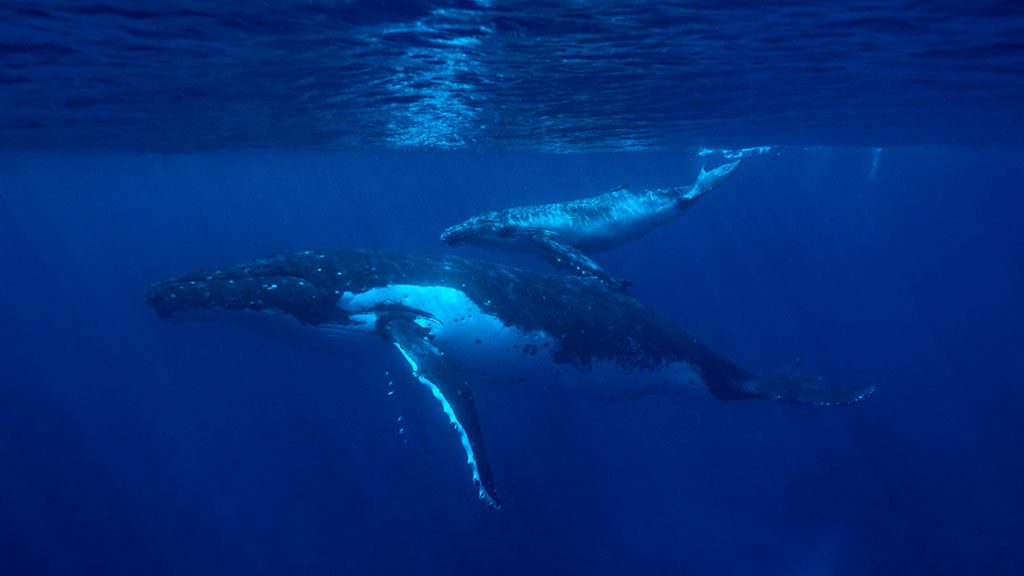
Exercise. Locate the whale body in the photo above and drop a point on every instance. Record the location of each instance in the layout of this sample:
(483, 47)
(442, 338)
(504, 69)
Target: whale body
(449, 318)
(565, 233)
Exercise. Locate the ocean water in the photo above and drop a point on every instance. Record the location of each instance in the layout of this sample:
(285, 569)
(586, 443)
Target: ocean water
(874, 231)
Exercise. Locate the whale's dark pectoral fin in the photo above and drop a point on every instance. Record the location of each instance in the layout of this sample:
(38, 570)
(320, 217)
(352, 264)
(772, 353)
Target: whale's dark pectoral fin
(567, 257)
(804, 389)
(447, 383)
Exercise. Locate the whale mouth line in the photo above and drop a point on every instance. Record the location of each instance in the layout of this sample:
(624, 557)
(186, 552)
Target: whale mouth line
(455, 235)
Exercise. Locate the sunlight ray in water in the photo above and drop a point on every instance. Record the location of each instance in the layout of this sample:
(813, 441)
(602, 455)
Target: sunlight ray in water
(529, 76)
(434, 87)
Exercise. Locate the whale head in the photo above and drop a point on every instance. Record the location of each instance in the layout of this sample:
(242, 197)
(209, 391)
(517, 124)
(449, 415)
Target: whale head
(303, 286)
(487, 228)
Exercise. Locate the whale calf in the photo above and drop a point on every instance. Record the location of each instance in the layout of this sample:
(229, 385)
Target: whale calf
(564, 233)
(460, 323)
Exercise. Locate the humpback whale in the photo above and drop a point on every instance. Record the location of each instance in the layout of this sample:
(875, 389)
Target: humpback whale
(458, 324)
(564, 233)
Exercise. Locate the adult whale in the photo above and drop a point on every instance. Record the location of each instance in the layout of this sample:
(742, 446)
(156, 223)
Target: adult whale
(448, 317)
(564, 233)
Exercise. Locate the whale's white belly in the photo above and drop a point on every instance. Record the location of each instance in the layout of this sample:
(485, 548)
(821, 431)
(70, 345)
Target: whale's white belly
(626, 216)
(493, 353)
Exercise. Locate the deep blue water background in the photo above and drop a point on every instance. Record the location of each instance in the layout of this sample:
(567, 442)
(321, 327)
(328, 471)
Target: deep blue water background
(882, 243)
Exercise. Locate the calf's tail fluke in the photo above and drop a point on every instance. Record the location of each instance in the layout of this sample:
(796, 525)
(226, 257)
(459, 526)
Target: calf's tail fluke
(708, 180)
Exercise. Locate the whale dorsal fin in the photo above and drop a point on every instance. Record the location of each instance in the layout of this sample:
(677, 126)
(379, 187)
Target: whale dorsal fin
(447, 382)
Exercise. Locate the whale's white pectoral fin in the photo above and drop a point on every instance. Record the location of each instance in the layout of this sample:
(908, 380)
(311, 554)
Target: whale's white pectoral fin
(447, 382)
(565, 256)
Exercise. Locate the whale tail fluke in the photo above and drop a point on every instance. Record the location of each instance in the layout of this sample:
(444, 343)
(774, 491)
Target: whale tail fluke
(709, 180)
(799, 388)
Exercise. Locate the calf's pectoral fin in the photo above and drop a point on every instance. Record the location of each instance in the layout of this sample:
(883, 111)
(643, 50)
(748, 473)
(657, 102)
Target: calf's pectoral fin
(567, 257)
(447, 382)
